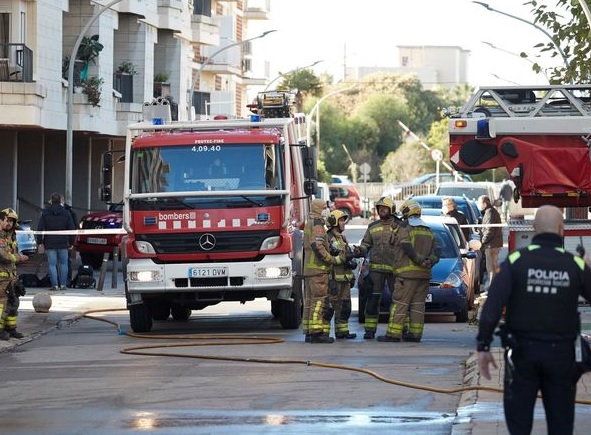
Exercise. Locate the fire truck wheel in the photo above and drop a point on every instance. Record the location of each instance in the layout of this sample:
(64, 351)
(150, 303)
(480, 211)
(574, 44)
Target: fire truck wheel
(180, 313)
(140, 318)
(290, 312)
(462, 316)
(161, 310)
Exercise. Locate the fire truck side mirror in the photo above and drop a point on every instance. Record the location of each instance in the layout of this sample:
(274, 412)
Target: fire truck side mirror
(310, 187)
(309, 157)
(106, 177)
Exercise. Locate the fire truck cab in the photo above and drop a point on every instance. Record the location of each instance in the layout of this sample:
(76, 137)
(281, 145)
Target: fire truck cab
(214, 211)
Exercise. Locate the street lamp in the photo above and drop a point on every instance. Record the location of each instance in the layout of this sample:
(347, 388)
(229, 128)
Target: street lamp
(70, 102)
(209, 59)
(289, 72)
(541, 29)
(316, 109)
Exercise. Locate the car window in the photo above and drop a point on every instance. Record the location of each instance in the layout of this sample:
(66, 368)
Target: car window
(448, 246)
(470, 192)
(457, 235)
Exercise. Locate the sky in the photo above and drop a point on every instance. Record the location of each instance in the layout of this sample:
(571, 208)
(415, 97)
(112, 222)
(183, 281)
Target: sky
(366, 33)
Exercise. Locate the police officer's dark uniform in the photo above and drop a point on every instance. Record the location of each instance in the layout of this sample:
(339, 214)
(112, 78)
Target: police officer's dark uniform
(539, 286)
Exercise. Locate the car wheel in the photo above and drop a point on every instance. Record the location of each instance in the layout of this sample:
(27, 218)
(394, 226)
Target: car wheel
(94, 260)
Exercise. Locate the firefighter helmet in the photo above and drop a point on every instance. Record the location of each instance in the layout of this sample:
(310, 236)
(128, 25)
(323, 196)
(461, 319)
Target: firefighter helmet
(334, 216)
(385, 201)
(410, 208)
(10, 213)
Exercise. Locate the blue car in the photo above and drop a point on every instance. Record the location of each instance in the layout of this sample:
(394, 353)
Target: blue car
(452, 287)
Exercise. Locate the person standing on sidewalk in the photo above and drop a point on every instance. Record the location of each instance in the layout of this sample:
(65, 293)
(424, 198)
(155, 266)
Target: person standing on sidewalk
(491, 236)
(339, 287)
(318, 264)
(539, 288)
(378, 241)
(54, 218)
(8, 273)
(15, 288)
(416, 253)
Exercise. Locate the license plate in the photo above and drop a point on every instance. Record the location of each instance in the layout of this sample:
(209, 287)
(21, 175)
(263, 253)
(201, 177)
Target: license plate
(96, 241)
(208, 272)
(429, 298)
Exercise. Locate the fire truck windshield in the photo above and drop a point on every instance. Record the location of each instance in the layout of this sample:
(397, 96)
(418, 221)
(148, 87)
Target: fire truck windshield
(212, 167)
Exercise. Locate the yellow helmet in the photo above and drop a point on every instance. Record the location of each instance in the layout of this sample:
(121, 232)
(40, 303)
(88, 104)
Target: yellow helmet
(334, 216)
(10, 213)
(385, 201)
(410, 208)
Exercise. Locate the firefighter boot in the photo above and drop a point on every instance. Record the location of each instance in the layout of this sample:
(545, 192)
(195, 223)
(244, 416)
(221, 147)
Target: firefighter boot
(369, 335)
(321, 338)
(347, 335)
(14, 333)
(389, 339)
(4, 335)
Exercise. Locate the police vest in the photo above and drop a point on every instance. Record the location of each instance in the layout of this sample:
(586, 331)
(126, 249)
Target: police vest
(547, 282)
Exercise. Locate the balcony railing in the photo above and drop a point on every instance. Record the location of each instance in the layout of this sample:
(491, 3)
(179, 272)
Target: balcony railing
(16, 63)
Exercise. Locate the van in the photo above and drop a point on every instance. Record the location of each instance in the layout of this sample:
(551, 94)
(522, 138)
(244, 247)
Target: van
(323, 192)
(346, 198)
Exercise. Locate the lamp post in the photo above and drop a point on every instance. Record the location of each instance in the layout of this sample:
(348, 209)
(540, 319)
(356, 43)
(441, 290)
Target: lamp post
(208, 60)
(316, 109)
(70, 101)
(289, 72)
(541, 29)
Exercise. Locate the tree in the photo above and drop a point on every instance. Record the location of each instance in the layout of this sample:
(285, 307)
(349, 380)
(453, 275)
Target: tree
(304, 82)
(569, 25)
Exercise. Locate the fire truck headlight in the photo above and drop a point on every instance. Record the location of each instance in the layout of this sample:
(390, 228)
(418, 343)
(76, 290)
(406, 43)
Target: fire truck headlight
(144, 276)
(270, 243)
(272, 272)
(144, 247)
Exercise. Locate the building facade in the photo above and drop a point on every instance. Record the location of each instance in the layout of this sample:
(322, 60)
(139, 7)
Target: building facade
(132, 53)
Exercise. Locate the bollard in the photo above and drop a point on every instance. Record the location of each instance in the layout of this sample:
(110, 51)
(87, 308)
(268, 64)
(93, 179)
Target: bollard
(101, 281)
(115, 267)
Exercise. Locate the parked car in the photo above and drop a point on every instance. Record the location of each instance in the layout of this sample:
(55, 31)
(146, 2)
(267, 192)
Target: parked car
(455, 276)
(465, 205)
(340, 179)
(469, 190)
(425, 184)
(25, 238)
(346, 198)
(92, 248)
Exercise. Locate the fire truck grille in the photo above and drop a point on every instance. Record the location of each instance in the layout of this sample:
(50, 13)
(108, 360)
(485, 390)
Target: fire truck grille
(206, 242)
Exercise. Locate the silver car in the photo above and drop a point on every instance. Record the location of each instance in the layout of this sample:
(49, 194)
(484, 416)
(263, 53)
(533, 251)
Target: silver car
(25, 238)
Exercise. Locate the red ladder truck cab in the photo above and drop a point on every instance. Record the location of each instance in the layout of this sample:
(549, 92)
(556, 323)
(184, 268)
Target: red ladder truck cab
(214, 211)
(541, 135)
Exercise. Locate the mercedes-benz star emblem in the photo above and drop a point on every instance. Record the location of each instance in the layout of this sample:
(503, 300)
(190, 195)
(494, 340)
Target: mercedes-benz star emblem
(207, 241)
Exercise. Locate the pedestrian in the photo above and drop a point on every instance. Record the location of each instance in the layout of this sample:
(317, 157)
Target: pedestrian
(56, 246)
(8, 272)
(15, 288)
(449, 208)
(538, 287)
(342, 277)
(378, 243)
(71, 252)
(318, 264)
(506, 194)
(416, 253)
(491, 235)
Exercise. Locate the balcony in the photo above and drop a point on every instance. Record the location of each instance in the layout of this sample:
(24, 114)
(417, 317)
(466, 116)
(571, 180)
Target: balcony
(205, 30)
(170, 15)
(257, 10)
(16, 63)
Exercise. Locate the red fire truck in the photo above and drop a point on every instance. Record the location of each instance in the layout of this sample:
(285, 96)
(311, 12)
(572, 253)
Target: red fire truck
(214, 211)
(541, 135)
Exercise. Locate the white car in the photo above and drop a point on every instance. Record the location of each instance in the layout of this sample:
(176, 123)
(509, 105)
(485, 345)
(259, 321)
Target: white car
(470, 190)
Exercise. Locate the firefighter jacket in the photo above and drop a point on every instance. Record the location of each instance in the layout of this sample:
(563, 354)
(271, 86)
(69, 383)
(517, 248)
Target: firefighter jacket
(8, 256)
(317, 257)
(417, 250)
(491, 237)
(341, 272)
(379, 242)
(540, 287)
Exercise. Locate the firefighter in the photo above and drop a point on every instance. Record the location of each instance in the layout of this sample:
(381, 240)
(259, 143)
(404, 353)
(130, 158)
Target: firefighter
(378, 244)
(9, 282)
(341, 278)
(15, 288)
(539, 288)
(416, 253)
(318, 264)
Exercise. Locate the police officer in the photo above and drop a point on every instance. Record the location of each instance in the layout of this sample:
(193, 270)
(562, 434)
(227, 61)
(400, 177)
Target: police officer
(342, 274)
(416, 253)
(378, 241)
(318, 264)
(539, 288)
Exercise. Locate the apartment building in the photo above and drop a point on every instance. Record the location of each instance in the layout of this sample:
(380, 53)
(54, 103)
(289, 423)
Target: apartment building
(193, 52)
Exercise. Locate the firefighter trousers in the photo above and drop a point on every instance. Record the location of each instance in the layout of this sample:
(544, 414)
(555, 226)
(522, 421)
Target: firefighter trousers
(317, 309)
(374, 300)
(341, 303)
(408, 301)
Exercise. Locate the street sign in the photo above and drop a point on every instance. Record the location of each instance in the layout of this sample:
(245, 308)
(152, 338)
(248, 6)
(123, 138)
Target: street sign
(365, 169)
(436, 155)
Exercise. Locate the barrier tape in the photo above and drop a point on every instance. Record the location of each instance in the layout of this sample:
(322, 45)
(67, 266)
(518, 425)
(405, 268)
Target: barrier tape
(104, 231)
